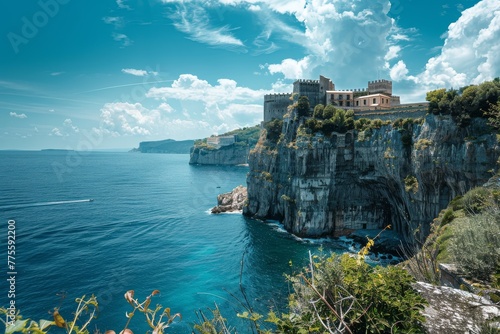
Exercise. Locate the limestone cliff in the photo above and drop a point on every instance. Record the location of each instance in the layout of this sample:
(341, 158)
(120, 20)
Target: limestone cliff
(318, 185)
(226, 155)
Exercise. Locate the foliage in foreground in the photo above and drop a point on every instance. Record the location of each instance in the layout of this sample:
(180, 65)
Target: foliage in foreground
(466, 233)
(158, 318)
(475, 245)
(340, 294)
(334, 294)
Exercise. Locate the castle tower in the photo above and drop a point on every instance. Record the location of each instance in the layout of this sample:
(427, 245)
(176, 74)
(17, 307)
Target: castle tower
(380, 87)
(276, 106)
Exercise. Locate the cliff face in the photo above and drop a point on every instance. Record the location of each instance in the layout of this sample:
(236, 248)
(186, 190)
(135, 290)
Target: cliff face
(321, 185)
(226, 155)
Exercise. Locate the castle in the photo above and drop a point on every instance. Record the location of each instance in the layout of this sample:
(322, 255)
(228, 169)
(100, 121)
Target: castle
(378, 96)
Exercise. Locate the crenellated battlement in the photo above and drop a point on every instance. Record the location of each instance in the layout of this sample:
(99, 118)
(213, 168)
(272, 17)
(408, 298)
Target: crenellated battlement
(267, 96)
(380, 81)
(377, 96)
(307, 81)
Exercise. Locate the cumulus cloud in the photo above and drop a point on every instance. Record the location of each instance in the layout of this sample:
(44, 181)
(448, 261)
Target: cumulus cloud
(292, 69)
(190, 87)
(254, 8)
(129, 118)
(188, 105)
(392, 53)
(68, 124)
(16, 115)
(165, 107)
(471, 52)
(56, 132)
(354, 30)
(399, 71)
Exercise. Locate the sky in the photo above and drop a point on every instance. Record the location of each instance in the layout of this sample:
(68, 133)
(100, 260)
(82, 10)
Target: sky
(108, 74)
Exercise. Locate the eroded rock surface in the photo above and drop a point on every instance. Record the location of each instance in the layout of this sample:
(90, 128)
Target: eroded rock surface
(453, 311)
(231, 201)
(318, 185)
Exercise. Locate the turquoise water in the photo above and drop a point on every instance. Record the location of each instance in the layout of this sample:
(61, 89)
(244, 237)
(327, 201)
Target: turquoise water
(147, 228)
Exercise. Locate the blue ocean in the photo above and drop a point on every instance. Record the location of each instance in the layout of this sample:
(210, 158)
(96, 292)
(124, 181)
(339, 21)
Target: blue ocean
(148, 227)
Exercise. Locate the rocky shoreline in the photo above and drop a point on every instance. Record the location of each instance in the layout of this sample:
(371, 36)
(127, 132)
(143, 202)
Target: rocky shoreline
(232, 201)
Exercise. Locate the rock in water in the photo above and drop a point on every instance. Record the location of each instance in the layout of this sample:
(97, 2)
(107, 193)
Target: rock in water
(231, 201)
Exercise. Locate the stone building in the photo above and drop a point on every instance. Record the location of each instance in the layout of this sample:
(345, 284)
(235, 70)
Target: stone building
(220, 141)
(377, 96)
(276, 105)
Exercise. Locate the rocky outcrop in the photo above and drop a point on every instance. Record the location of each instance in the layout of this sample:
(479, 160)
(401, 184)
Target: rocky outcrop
(318, 185)
(232, 201)
(453, 311)
(226, 155)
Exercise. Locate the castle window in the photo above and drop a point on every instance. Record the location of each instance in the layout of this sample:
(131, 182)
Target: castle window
(340, 103)
(348, 97)
(364, 102)
(357, 103)
(348, 103)
(341, 96)
(374, 100)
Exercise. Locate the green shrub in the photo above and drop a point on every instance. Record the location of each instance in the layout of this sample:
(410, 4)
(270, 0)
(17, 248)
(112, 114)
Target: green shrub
(411, 183)
(422, 144)
(406, 139)
(457, 203)
(274, 129)
(476, 245)
(346, 293)
(476, 200)
(447, 217)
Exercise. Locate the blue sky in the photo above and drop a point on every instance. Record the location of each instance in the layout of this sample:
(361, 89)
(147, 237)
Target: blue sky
(111, 73)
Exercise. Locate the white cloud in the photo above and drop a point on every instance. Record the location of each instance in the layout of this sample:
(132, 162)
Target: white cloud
(193, 20)
(68, 124)
(16, 115)
(128, 118)
(122, 38)
(291, 68)
(392, 53)
(399, 71)
(254, 8)
(190, 87)
(55, 74)
(400, 37)
(471, 52)
(56, 132)
(116, 21)
(194, 106)
(165, 107)
(122, 4)
(355, 29)
(138, 73)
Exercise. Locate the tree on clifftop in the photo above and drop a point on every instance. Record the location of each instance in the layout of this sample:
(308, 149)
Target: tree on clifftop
(303, 106)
